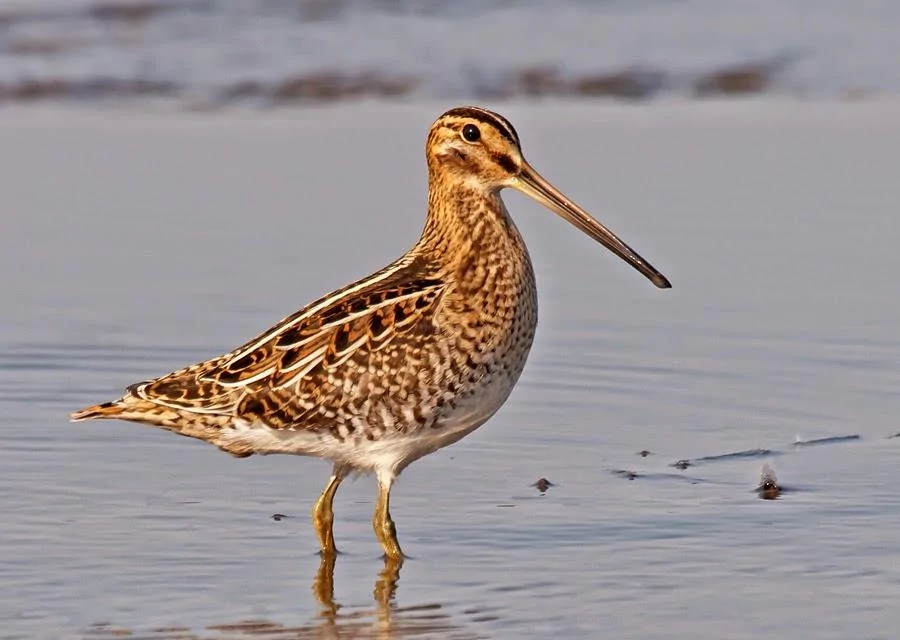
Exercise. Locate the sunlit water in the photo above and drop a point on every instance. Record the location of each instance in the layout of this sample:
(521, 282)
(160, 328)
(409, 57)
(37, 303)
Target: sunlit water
(133, 244)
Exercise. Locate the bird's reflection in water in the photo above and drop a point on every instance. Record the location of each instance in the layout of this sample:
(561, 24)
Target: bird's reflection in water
(386, 621)
(383, 593)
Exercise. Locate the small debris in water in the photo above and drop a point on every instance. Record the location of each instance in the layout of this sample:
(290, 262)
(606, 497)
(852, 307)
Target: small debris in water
(735, 455)
(830, 440)
(768, 488)
(542, 485)
(748, 453)
(643, 453)
(278, 517)
(627, 474)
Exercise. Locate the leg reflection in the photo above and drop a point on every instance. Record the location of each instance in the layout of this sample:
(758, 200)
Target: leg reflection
(386, 584)
(384, 592)
(323, 587)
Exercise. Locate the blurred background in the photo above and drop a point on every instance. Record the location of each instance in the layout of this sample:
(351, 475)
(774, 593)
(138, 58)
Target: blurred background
(177, 175)
(218, 53)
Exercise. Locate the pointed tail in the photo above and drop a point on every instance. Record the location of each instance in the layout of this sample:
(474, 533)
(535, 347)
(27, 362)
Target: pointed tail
(130, 408)
(203, 426)
(105, 411)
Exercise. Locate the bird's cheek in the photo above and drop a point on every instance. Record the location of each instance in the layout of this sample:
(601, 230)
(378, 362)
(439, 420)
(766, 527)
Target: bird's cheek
(455, 156)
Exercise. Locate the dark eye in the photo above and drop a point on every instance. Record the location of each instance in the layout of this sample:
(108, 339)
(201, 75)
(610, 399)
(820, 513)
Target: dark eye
(471, 133)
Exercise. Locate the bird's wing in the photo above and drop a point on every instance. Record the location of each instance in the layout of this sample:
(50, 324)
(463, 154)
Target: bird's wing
(317, 342)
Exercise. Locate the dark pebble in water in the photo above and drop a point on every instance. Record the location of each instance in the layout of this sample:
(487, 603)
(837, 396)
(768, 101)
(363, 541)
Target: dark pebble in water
(625, 473)
(643, 453)
(768, 488)
(278, 517)
(543, 484)
(682, 464)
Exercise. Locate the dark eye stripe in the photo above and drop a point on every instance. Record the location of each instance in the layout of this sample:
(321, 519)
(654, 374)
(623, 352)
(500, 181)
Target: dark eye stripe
(497, 121)
(504, 161)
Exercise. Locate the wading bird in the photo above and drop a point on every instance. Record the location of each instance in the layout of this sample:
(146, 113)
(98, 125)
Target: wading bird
(401, 363)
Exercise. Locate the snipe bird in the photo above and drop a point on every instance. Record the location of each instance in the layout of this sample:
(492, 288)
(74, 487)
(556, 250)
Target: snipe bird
(399, 364)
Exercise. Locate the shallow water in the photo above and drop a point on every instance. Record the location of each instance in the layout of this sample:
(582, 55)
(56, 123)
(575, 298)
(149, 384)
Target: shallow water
(134, 243)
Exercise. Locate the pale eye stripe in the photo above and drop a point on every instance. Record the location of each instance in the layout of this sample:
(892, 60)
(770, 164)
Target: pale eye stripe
(503, 123)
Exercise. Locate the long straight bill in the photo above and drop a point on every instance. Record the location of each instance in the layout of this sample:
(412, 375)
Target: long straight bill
(532, 184)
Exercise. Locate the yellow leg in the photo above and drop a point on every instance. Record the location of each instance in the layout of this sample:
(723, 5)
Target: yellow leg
(385, 530)
(323, 513)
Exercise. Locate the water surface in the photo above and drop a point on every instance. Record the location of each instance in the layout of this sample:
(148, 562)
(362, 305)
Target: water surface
(134, 243)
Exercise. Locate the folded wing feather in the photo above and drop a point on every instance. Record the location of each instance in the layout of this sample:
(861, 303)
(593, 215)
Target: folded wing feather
(316, 341)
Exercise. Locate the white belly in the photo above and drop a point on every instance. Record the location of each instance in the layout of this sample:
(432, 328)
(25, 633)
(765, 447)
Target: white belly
(393, 450)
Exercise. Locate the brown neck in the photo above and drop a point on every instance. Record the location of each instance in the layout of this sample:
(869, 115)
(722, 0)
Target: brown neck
(464, 219)
(471, 235)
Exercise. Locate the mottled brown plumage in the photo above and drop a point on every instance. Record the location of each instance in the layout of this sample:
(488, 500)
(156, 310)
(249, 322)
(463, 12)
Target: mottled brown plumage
(401, 363)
